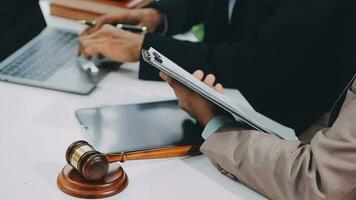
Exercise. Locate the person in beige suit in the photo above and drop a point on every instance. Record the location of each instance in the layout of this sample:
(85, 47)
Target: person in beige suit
(321, 167)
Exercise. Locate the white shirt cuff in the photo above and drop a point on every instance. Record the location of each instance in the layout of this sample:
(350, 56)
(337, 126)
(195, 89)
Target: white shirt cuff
(215, 124)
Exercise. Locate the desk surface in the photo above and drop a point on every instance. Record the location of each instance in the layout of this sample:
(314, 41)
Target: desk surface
(38, 125)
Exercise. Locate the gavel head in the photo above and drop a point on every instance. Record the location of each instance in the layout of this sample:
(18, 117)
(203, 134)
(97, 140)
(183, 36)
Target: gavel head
(91, 164)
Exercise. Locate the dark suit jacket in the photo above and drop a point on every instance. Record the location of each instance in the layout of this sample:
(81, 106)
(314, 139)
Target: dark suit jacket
(21, 21)
(278, 57)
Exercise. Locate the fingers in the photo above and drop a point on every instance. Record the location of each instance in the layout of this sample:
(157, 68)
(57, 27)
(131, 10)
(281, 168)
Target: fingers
(94, 46)
(179, 90)
(87, 47)
(177, 87)
(88, 52)
(163, 76)
(219, 88)
(89, 36)
(199, 74)
(87, 31)
(209, 80)
(88, 42)
(111, 19)
(167, 78)
(106, 19)
(106, 33)
(106, 30)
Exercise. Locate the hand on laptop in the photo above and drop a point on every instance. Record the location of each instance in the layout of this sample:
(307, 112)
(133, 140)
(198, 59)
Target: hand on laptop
(112, 43)
(194, 104)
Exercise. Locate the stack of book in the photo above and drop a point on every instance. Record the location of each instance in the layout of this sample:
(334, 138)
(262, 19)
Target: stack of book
(91, 9)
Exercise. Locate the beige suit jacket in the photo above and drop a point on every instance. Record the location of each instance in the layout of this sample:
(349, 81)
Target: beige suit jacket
(322, 168)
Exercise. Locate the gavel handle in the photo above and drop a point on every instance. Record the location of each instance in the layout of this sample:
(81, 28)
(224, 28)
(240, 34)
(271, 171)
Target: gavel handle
(165, 152)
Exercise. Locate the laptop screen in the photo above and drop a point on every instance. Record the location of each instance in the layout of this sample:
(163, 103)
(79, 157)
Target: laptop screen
(21, 21)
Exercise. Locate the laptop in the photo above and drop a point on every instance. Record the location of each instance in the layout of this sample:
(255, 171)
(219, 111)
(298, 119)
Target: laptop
(48, 60)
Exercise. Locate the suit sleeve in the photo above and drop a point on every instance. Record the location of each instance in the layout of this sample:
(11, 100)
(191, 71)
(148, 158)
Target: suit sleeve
(279, 169)
(291, 41)
(285, 44)
(299, 37)
(182, 14)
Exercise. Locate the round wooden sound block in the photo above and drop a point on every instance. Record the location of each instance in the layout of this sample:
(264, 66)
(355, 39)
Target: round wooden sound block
(71, 183)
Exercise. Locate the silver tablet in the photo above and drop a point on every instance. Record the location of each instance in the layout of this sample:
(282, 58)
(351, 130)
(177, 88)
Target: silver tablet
(139, 126)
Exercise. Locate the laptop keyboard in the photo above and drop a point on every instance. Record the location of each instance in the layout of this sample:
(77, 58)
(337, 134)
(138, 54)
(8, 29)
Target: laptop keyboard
(41, 60)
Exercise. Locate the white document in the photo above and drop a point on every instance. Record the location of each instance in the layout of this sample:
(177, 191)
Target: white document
(241, 111)
(236, 96)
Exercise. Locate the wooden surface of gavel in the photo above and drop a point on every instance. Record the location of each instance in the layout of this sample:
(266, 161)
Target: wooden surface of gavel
(93, 165)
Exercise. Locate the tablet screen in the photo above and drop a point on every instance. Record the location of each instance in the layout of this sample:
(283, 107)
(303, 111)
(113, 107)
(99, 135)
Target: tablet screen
(123, 128)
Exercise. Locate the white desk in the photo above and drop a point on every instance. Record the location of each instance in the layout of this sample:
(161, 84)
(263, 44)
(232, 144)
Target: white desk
(37, 125)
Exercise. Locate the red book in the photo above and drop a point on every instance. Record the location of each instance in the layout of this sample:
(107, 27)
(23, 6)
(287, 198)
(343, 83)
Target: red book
(91, 9)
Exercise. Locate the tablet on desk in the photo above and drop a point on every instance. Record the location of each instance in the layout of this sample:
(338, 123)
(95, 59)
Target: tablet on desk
(123, 128)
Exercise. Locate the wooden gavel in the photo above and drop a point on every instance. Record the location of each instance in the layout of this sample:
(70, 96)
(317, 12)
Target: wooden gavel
(93, 165)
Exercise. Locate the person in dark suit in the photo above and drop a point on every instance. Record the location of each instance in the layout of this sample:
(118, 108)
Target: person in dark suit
(21, 21)
(272, 51)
